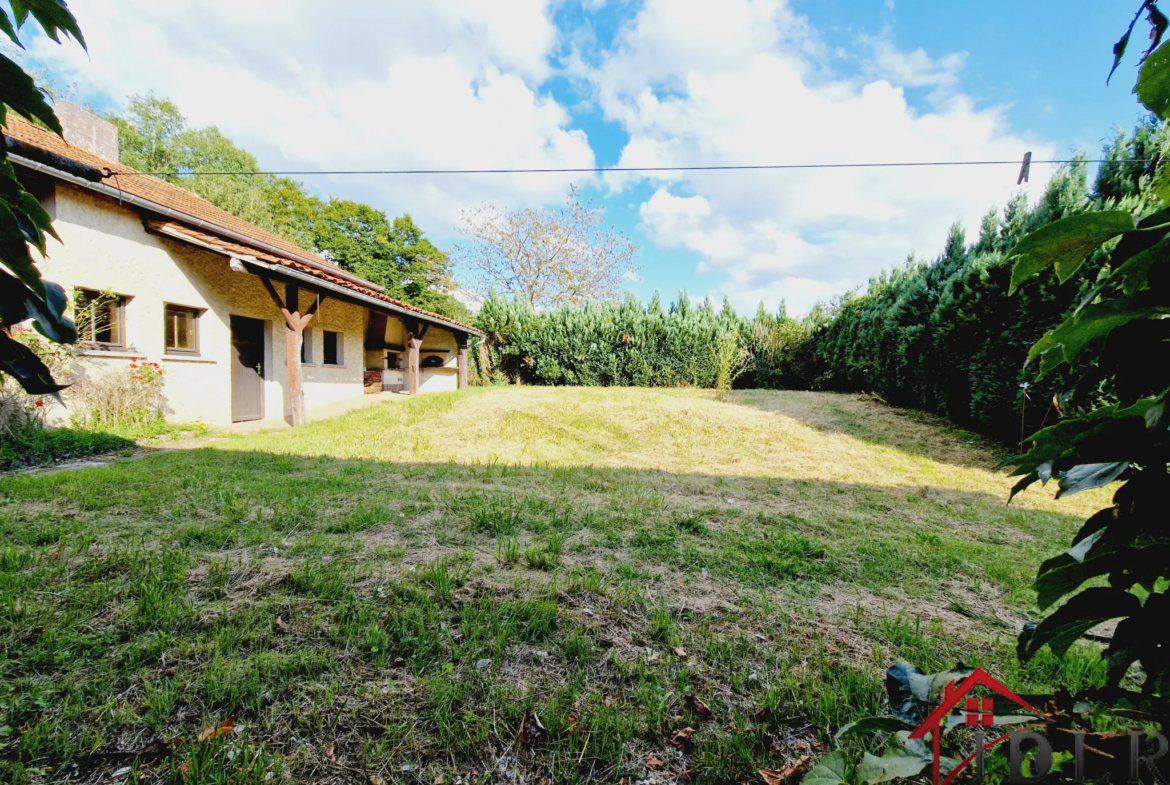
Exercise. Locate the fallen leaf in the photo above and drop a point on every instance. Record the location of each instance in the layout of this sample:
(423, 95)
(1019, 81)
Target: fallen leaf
(777, 776)
(653, 762)
(680, 652)
(681, 738)
(473, 777)
(609, 700)
(375, 779)
(530, 729)
(697, 706)
(215, 731)
(38, 631)
(329, 753)
(280, 625)
(185, 768)
(956, 532)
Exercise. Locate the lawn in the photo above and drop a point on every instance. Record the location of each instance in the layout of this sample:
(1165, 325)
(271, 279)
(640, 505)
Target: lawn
(509, 585)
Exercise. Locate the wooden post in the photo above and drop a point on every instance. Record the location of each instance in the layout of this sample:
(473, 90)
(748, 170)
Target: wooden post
(294, 337)
(414, 336)
(462, 361)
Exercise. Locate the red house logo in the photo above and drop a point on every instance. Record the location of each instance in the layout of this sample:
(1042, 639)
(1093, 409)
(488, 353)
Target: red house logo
(979, 713)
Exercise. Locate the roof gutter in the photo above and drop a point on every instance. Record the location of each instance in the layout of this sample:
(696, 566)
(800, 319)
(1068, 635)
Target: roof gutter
(340, 291)
(198, 223)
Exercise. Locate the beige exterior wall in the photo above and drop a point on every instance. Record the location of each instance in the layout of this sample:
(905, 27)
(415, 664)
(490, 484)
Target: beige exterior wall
(106, 248)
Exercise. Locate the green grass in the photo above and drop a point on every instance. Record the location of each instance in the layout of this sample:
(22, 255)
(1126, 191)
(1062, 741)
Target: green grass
(387, 596)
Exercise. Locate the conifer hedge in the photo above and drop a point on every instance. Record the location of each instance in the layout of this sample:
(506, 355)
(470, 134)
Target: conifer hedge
(942, 336)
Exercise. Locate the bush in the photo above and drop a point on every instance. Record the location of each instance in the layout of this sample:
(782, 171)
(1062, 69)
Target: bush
(128, 398)
(628, 344)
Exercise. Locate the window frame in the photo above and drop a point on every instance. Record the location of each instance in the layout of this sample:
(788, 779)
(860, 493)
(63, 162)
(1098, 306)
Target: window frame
(168, 308)
(338, 349)
(117, 303)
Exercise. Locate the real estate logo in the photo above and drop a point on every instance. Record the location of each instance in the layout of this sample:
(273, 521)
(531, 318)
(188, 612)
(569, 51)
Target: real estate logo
(979, 713)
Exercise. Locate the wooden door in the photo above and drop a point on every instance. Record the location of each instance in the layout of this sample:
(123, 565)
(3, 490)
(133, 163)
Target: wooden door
(247, 369)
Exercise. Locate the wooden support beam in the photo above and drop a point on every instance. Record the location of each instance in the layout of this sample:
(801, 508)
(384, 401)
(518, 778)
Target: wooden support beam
(463, 342)
(414, 339)
(294, 337)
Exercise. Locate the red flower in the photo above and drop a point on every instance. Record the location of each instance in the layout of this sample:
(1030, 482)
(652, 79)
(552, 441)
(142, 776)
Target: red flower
(40, 403)
(133, 365)
(136, 378)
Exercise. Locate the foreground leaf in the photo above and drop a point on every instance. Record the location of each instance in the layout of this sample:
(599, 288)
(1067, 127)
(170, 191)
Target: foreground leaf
(1065, 243)
(1076, 617)
(831, 770)
(22, 364)
(1153, 85)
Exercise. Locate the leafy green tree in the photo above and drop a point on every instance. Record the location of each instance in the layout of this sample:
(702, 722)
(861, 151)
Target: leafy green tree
(23, 222)
(155, 137)
(395, 255)
(1114, 347)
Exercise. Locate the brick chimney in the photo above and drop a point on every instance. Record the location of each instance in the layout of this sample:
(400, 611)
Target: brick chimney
(86, 130)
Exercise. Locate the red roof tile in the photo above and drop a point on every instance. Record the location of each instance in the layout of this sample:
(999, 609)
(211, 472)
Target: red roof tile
(174, 197)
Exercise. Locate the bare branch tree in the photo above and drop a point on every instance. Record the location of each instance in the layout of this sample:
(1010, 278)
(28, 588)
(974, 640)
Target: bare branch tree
(550, 256)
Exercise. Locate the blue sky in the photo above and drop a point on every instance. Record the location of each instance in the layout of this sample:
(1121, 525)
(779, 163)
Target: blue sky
(649, 82)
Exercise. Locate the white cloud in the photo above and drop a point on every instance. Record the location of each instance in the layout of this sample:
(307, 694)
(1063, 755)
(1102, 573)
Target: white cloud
(747, 86)
(395, 84)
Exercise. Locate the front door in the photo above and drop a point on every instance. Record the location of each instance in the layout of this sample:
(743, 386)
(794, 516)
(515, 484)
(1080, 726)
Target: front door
(247, 369)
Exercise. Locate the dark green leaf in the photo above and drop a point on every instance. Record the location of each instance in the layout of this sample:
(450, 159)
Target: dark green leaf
(1143, 637)
(1119, 52)
(8, 29)
(19, 362)
(1063, 574)
(906, 757)
(1153, 85)
(20, 93)
(831, 770)
(873, 725)
(52, 15)
(1132, 276)
(1068, 340)
(18, 303)
(14, 251)
(1065, 243)
(1023, 484)
(1079, 615)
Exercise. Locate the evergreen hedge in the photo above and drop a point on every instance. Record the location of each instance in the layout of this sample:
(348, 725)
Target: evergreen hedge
(942, 336)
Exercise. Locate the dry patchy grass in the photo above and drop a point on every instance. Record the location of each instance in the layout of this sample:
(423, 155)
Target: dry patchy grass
(389, 595)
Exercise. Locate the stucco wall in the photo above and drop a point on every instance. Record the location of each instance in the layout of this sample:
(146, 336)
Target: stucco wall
(106, 248)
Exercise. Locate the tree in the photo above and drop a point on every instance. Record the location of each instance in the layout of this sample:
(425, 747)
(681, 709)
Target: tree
(155, 137)
(1115, 348)
(395, 255)
(23, 222)
(551, 256)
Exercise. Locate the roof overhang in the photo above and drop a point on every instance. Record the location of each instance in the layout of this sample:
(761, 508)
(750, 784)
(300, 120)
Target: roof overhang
(193, 231)
(251, 260)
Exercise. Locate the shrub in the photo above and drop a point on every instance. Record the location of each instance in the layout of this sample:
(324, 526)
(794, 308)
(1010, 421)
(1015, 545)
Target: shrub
(130, 397)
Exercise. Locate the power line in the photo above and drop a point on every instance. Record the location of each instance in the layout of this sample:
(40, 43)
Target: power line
(605, 169)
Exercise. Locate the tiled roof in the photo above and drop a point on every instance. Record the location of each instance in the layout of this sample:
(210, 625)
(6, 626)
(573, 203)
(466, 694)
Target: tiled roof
(183, 232)
(171, 196)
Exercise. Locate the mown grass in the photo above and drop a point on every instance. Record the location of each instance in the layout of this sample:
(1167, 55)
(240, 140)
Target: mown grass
(389, 595)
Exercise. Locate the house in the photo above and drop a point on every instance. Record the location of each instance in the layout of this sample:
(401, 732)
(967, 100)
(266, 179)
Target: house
(245, 324)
